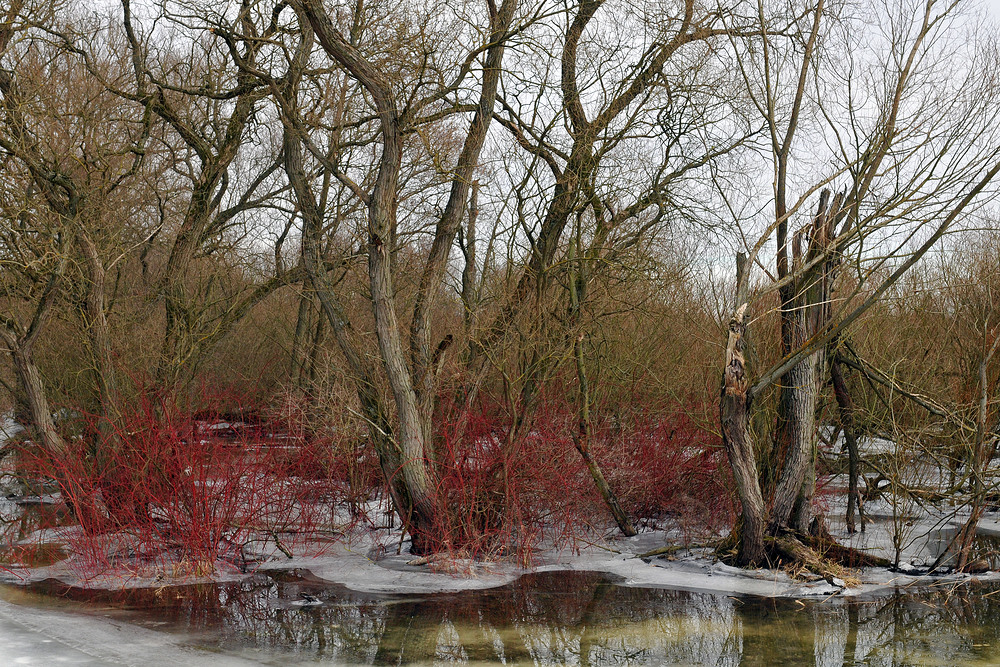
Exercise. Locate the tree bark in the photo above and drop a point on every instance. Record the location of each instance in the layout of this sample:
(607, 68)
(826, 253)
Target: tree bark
(99, 334)
(423, 510)
(581, 439)
(447, 228)
(734, 416)
(470, 279)
(792, 504)
(846, 407)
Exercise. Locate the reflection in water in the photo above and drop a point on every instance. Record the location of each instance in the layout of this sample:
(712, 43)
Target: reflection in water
(561, 618)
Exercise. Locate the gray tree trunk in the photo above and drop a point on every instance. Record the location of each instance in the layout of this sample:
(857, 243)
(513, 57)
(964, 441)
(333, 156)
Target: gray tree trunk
(734, 416)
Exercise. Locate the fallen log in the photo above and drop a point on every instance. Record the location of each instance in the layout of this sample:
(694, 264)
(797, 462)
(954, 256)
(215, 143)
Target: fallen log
(846, 556)
(792, 551)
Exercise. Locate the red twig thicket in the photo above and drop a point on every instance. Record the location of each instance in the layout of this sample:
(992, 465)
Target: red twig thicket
(503, 494)
(163, 485)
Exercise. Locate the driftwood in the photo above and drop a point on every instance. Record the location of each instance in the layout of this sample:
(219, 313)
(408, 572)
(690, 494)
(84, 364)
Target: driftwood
(430, 558)
(833, 551)
(818, 553)
(792, 551)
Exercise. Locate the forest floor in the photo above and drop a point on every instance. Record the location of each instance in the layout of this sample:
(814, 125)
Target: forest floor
(907, 532)
(378, 561)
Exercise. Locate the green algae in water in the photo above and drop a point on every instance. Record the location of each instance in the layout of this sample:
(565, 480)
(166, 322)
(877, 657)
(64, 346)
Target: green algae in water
(575, 618)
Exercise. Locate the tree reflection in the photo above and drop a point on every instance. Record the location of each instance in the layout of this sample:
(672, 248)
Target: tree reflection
(564, 618)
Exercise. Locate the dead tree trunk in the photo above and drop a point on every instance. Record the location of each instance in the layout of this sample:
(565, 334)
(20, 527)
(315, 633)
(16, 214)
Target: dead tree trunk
(734, 416)
(813, 282)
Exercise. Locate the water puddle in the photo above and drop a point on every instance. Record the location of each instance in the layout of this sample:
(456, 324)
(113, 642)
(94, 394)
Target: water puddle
(548, 618)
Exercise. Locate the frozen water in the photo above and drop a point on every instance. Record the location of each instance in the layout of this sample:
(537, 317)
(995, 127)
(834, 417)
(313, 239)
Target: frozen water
(8, 427)
(31, 636)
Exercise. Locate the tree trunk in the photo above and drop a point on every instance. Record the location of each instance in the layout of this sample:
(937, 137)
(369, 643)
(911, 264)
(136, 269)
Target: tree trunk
(78, 497)
(582, 441)
(298, 361)
(846, 408)
(422, 352)
(810, 313)
(791, 499)
(391, 460)
(734, 416)
(37, 401)
(99, 334)
(983, 451)
(410, 434)
(382, 205)
(470, 279)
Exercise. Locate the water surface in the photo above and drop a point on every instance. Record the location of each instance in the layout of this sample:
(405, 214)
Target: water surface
(560, 618)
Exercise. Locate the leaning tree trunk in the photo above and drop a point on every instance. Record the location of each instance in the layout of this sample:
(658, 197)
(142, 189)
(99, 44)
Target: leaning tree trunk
(76, 495)
(382, 205)
(36, 400)
(581, 439)
(391, 457)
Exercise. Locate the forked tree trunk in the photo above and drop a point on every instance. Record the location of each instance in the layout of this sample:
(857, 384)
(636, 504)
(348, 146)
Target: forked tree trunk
(808, 315)
(402, 450)
(391, 457)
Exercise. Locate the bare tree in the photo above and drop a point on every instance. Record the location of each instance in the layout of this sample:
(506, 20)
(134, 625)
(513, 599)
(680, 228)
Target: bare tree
(903, 169)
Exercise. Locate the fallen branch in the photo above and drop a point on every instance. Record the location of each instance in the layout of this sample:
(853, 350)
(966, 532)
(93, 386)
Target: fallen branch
(672, 548)
(793, 552)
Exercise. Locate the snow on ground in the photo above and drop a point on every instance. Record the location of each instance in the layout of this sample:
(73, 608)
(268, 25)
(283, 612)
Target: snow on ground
(8, 427)
(42, 636)
(33, 631)
(362, 566)
(378, 561)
